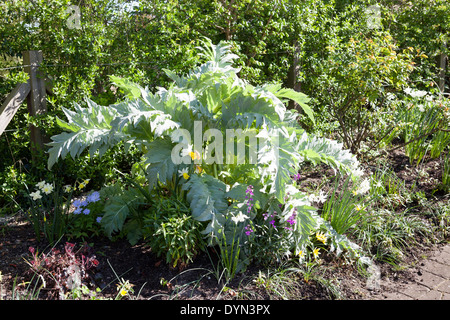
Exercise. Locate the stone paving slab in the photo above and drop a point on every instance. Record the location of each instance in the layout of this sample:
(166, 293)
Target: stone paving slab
(432, 281)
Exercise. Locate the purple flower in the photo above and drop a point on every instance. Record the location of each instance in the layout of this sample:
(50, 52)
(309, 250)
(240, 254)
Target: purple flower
(273, 224)
(77, 210)
(86, 211)
(296, 177)
(291, 219)
(249, 194)
(98, 219)
(248, 229)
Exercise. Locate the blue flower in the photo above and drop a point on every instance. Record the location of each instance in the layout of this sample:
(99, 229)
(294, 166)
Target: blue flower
(77, 211)
(86, 211)
(77, 203)
(98, 219)
(93, 197)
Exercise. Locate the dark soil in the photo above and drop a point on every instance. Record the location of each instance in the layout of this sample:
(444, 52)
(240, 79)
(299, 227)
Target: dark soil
(154, 279)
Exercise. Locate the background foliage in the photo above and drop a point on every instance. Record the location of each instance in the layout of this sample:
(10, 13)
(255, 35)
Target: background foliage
(276, 41)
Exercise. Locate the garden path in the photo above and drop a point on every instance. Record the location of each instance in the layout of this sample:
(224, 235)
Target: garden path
(432, 280)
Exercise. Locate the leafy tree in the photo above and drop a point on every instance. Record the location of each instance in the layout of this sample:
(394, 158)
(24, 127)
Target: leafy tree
(423, 25)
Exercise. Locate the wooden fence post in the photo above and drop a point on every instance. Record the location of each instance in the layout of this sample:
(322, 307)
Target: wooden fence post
(442, 68)
(36, 99)
(293, 76)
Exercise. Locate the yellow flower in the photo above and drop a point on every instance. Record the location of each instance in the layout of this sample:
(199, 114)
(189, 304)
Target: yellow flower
(67, 188)
(358, 207)
(194, 155)
(198, 169)
(316, 253)
(81, 185)
(86, 181)
(301, 254)
(321, 237)
(184, 173)
(123, 292)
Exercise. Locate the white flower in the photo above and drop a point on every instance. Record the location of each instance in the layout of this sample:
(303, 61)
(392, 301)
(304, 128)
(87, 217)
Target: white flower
(357, 172)
(415, 93)
(67, 188)
(36, 195)
(322, 197)
(421, 107)
(390, 96)
(47, 188)
(378, 184)
(363, 187)
(419, 93)
(239, 218)
(186, 150)
(41, 184)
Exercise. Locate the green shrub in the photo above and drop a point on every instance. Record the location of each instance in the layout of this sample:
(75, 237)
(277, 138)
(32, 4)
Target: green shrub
(355, 80)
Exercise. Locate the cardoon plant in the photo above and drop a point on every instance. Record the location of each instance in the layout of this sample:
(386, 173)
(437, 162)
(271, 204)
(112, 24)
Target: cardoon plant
(179, 130)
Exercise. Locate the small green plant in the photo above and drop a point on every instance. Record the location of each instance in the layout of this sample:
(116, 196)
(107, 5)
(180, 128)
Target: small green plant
(387, 234)
(124, 289)
(86, 217)
(345, 208)
(170, 230)
(445, 165)
(83, 293)
(29, 290)
(229, 258)
(423, 125)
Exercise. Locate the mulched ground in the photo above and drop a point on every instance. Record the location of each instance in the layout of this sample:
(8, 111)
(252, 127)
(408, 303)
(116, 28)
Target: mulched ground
(154, 279)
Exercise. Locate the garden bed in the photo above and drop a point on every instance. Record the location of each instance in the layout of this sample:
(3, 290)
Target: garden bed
(152, 278)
